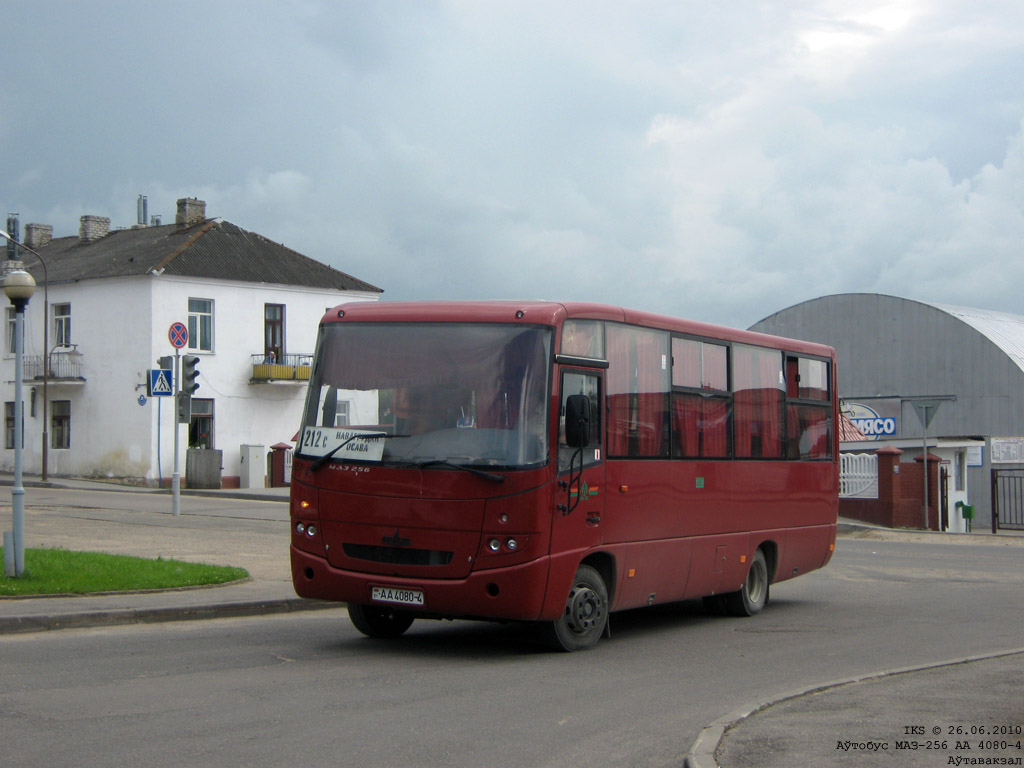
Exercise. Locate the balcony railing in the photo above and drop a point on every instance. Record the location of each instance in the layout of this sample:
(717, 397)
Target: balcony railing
(64, 366)
(288, 368)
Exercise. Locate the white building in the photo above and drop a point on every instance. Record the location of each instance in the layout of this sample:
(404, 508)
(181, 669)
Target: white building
(251, 307)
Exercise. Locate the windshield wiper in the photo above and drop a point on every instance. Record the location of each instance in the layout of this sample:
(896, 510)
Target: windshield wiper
(473, 470)
(330, 454)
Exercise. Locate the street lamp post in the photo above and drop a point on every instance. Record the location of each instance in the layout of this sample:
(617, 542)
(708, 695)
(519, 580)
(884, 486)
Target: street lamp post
(46, 345)
(19, 287)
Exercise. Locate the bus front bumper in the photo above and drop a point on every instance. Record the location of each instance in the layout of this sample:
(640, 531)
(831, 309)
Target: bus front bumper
(514, 593)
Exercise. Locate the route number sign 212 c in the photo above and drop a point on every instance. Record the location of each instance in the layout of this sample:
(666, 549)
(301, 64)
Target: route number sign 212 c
(366, 445)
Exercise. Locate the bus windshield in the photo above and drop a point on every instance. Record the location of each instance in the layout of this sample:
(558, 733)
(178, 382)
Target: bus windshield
(430, 394)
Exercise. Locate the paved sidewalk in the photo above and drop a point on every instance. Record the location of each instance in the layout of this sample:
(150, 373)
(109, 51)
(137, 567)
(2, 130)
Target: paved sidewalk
(966, 712)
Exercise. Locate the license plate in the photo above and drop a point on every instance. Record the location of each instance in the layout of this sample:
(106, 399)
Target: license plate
(396, 595)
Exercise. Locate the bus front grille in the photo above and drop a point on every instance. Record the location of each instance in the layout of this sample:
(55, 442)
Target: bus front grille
(397, 555)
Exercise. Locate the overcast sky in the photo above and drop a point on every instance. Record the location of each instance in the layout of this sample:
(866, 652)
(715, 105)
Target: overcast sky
(719, 161)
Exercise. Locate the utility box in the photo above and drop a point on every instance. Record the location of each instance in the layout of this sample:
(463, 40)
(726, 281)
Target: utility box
(202, 468)
(251, 471)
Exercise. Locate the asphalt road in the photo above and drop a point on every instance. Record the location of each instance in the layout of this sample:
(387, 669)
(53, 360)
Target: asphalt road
(307, 689)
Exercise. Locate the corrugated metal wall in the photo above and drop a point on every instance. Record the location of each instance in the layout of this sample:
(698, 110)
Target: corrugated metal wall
(894, 347)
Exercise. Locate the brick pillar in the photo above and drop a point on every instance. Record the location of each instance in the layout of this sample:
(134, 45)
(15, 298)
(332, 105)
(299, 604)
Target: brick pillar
(888, 483)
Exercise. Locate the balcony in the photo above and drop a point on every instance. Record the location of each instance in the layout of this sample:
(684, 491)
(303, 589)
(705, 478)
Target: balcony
(290, 368)
(65, 366)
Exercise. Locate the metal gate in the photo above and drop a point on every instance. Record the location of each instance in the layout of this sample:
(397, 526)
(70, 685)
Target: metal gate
(1007, 499)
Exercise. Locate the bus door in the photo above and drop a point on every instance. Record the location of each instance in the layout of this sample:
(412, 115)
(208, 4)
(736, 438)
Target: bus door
(579, 494)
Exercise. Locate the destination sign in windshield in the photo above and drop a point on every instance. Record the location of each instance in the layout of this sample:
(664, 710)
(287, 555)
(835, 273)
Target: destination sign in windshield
(341, 443)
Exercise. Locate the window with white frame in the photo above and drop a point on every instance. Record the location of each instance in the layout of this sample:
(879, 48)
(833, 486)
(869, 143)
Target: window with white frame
(200, 325)
(62, 325)
(60, 424)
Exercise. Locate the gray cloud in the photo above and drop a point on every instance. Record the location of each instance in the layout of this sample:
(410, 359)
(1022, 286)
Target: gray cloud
(719, 161)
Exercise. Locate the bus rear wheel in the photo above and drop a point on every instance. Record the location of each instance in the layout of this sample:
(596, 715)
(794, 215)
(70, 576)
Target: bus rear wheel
(753, 595)
(379, 621)
(586, 613)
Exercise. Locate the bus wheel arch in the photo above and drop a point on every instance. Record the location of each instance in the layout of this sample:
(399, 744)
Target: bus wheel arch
(585, 615)
(604, 564)
(771, 556)
(752, 597)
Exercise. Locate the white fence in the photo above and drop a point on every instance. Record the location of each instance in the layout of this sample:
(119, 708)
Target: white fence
(858, 476)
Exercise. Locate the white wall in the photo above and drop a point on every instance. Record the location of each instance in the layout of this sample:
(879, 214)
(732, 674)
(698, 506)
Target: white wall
(120, 327)
(244, 413)
(109, 431)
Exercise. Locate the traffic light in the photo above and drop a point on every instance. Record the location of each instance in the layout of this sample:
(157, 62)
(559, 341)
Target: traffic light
(184, 408)
(189, 373)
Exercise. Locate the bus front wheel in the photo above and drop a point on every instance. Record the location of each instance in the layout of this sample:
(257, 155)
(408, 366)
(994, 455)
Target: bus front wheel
(753, 595)
(378, 621)
(586, 613)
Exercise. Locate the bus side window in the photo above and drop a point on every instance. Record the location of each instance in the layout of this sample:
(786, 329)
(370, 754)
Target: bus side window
(578, 383)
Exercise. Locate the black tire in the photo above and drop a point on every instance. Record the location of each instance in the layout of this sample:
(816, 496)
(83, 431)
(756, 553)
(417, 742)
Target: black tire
(753, 595)
(586, 613)
(379, 621)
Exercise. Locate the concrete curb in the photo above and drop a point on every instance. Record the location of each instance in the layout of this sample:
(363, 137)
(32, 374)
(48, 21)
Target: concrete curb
(702, 753)
(117, 616)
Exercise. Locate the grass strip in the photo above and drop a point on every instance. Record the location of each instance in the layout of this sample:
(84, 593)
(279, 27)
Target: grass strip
(63, 572)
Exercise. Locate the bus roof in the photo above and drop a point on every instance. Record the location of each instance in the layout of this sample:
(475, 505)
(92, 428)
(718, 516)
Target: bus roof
(553, 313)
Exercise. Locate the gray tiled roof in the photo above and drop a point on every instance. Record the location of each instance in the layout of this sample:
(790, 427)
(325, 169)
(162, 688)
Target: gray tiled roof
(212, 249)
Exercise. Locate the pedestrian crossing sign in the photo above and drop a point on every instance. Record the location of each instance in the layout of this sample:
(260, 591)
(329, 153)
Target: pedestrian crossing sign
(159, 383)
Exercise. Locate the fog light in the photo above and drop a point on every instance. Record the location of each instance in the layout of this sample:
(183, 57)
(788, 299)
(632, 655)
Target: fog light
(511, 543)
(311, 530)
(300, 527)
(494, 545)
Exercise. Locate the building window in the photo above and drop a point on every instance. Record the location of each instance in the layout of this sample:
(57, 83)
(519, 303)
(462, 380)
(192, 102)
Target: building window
(62, 325)
(60, 424)
(200, 324)
(341, 416)
(200, 428)
(8, 425)
(273, 332)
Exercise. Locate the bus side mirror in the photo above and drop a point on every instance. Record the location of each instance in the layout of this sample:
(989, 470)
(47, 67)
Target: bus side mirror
(577, 421)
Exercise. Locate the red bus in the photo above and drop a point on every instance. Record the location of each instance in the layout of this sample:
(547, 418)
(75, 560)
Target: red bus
(555, 462)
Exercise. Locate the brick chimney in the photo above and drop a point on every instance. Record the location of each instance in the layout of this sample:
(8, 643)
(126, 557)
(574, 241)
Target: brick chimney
(38, 235)
(190, 212)
(93, 228)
